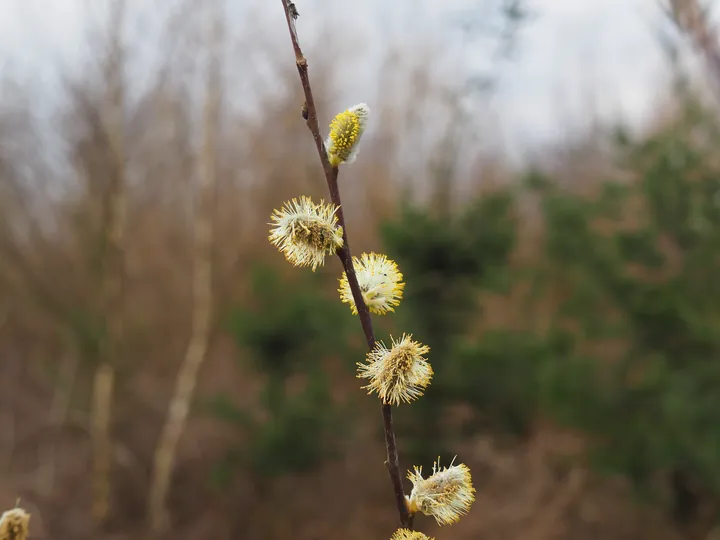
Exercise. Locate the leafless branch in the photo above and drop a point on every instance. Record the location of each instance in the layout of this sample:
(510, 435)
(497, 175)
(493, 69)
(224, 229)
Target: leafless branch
(7, 415)
(57, 417)
(692, 19)
(113, 268)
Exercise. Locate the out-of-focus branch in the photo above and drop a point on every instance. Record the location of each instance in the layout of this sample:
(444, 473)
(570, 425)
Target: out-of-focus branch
(202, 287)
(331, 176)
(7, 415)
(57, 417)
(692, 19)
(113, 270)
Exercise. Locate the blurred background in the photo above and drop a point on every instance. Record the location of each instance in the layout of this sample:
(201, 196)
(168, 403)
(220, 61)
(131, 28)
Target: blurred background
(545, 173)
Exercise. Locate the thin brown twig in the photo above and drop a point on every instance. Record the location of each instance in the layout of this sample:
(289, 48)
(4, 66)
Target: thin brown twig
(331, 175)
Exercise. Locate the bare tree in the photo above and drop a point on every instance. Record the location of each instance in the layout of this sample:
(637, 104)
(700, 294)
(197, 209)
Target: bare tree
(202, 285)
(113, 269)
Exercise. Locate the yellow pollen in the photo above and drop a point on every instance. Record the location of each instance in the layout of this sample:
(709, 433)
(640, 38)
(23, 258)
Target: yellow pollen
(344, 130)
(314, 234)
(344, 133)
(401, 360)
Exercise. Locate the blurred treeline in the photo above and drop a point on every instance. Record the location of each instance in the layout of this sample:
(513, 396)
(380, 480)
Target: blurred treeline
(575, 301)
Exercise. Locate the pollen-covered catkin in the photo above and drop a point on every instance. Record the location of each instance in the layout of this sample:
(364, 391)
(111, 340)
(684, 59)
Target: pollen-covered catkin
(398, 374)
(380, 283)
(346, 130)
(446, 495)
(407, 534)
(306, 232)
(14, 524)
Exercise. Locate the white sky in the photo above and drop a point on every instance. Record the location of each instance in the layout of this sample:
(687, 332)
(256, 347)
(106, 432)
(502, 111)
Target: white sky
(574, 56)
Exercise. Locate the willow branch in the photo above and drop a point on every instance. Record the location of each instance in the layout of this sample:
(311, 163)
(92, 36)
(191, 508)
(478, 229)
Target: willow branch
(331, 176)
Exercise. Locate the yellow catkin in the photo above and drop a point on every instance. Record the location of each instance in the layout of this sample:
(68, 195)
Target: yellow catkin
(346, 130)
(305, 232)
(407, 534)
(446, 495)
(14, 524)
(398, 374)
(380, 284)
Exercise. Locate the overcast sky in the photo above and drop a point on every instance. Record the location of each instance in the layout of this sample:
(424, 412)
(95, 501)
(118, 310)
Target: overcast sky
(570, 52)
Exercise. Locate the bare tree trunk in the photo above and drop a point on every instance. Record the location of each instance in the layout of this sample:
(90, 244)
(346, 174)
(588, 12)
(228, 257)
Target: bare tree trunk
(113, 274)
(58, 414)
(7, 414)
(202, 289)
